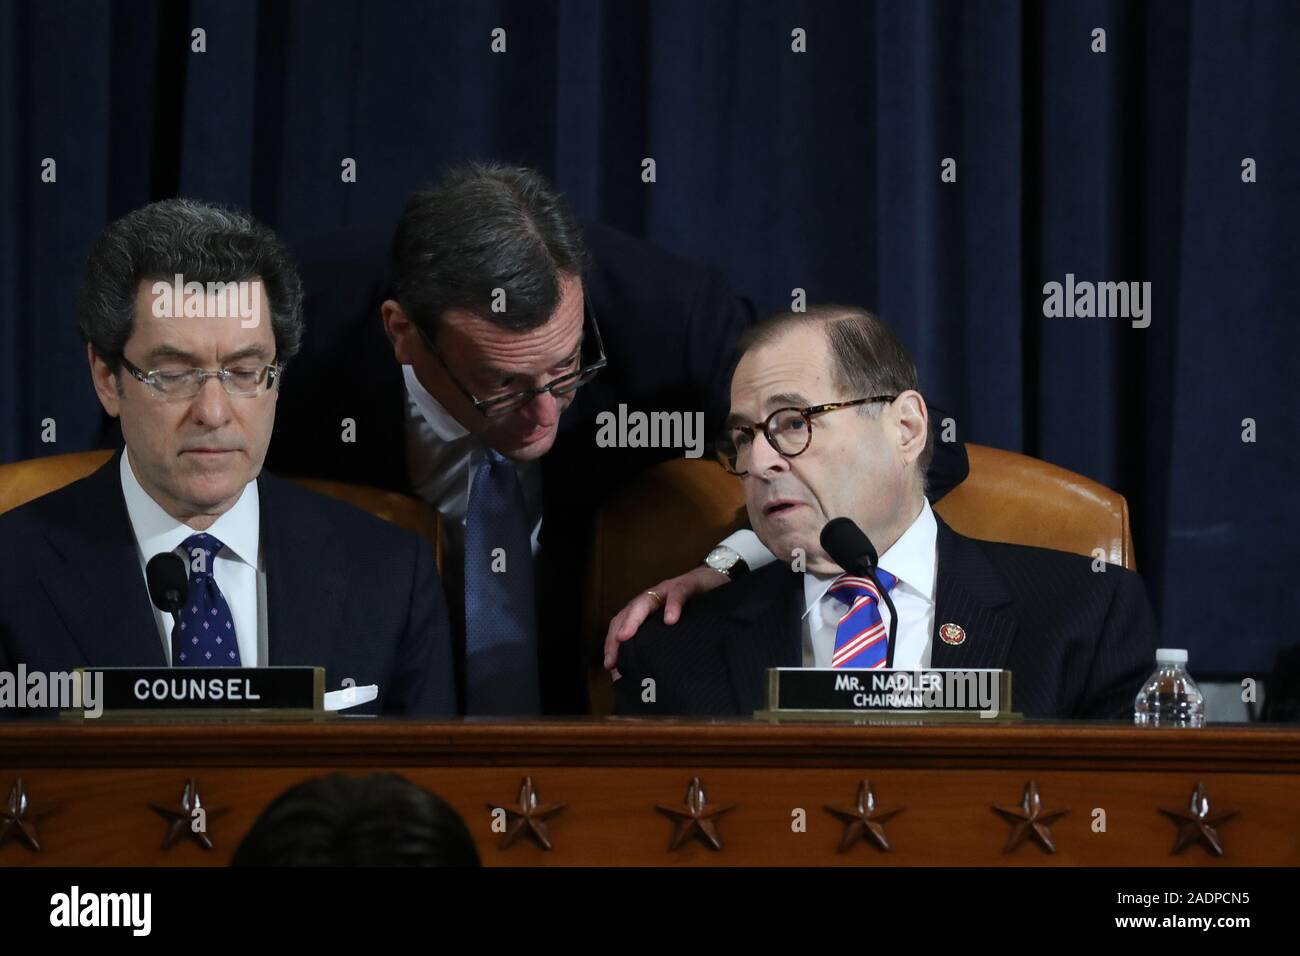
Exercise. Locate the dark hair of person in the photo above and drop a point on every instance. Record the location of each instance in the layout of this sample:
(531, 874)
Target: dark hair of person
(867, 357)
(199, 241)
(490, 239)
(379, 820)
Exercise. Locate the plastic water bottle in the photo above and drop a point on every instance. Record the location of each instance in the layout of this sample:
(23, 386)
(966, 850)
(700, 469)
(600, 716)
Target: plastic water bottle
(1169, 698)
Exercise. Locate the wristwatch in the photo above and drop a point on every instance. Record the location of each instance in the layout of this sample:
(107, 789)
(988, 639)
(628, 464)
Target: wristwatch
(726, 561)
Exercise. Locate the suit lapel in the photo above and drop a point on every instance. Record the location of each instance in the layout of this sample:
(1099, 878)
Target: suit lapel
(95, 581)
(305, 582)
(970, 594)
(766, 633)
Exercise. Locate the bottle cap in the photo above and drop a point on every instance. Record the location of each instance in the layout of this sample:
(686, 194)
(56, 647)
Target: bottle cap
(1171, 655)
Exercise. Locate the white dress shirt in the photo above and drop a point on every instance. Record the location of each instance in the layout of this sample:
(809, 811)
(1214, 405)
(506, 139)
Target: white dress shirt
(237, 567)
(443, 457)
(911, 559)
(746, 544)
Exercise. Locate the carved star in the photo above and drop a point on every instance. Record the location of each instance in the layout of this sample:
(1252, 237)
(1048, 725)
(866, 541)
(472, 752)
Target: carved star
(17, 817)
(863, 821)
(699, 819)
(182, 818)
(1196, 824)
(1030, 821)
(530, 818)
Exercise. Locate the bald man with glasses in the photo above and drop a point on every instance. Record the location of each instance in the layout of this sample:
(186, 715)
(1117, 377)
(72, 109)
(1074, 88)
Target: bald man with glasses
(827, 421)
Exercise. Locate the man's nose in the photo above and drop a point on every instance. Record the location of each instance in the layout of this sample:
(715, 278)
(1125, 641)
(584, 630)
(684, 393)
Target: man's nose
(764, 460)
(211, 407)
(542, 411)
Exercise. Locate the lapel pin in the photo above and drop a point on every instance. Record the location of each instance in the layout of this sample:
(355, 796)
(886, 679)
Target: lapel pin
(953, 634)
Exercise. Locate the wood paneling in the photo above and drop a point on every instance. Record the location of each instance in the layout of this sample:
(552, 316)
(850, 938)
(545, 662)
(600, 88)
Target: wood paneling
(611, 774)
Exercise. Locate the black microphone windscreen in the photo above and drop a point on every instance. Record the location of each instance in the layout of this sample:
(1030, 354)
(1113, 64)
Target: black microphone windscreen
(167, 580)
(848, 546)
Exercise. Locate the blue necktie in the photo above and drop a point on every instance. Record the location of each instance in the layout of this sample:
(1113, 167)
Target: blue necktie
(501, 675)
(861, 639)
(207, 631)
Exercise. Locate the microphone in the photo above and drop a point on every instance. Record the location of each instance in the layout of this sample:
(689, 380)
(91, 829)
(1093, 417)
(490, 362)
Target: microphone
(168, 581)
(852, 550)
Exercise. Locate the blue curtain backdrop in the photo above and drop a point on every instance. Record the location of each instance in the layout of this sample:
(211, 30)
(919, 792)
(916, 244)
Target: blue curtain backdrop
(816, 170)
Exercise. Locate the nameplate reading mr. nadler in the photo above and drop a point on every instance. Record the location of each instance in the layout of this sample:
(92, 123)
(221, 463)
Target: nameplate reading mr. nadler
(212, 688)
(983, 692)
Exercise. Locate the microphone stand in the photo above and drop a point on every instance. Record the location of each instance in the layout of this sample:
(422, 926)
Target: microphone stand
(893, 620)
(174, 607)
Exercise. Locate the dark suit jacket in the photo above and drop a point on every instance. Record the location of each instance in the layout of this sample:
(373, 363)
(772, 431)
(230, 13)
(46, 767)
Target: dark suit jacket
(345, 591)
(669, 327)
(1079, 644)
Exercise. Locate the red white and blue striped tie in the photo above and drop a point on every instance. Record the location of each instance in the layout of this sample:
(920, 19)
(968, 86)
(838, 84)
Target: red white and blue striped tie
(861, 638)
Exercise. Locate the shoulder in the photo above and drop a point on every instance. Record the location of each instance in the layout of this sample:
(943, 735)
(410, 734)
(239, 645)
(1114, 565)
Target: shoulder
(59, 506)
(1046, 567)
(1057, 585)
(628, 271)
(714, 615)
(307, 510)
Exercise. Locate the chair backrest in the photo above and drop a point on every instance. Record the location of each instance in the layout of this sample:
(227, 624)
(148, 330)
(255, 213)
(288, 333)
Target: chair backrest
(21, 481)
(1021, 500)
(666, 520)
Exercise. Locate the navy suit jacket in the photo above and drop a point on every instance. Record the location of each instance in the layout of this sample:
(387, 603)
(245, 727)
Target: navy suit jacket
(1079, 643)
(669, 327)
(345, 591)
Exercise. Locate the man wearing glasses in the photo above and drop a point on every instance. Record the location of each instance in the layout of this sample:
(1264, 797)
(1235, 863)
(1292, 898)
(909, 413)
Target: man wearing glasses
(495, 337)
(510, 338)
(826, 421)
(277, 575)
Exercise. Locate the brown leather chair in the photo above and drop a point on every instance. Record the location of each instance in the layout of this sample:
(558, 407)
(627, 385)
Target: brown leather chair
(21, 481)
(666, 521)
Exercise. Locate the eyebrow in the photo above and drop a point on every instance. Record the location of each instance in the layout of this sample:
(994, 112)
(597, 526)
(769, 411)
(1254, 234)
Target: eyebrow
(786, 400)
(172, 352)
(779, 400)
(250, 351)
(576, 353)
(733, 420)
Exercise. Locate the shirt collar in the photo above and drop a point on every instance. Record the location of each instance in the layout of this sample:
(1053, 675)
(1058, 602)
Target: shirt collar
(910, 559)
(441, 421)
(239, 528)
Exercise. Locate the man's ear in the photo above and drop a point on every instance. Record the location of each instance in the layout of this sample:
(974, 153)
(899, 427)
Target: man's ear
(401, 332)
(107, 385)
(913, 425)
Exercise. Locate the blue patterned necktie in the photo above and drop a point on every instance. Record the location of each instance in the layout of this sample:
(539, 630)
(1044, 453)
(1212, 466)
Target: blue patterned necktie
(501, 670)
(207, 632)
(861, 639)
